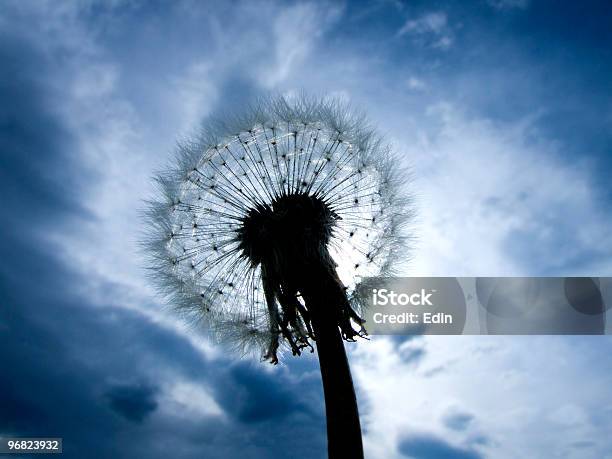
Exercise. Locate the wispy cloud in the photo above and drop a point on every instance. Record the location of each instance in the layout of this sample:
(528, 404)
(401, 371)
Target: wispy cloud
(416, 84)
(431, 29)
(296, 31)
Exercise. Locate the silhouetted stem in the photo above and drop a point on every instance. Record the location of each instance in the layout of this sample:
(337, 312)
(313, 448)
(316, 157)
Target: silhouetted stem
(343, 427)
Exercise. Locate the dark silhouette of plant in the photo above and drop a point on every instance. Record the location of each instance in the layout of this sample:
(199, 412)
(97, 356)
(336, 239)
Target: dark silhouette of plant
(266, 223)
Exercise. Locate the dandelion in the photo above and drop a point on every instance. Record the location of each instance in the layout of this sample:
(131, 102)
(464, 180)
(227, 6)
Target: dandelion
(266, 224)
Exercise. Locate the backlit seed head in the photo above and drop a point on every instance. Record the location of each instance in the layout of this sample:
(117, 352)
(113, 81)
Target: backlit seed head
(240, 195)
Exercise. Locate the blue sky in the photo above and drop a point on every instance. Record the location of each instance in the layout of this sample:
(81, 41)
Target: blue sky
(503, 109)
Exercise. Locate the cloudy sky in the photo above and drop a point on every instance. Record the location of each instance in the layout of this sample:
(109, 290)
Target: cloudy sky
(503, 110)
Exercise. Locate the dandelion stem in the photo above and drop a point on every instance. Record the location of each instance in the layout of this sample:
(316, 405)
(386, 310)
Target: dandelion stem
(343, 427)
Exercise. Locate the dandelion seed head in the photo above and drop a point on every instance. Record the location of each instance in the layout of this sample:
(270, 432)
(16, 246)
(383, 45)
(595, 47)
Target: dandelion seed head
(257, 190)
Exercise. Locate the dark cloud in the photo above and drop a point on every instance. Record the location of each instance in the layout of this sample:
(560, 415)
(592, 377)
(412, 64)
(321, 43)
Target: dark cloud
(248, 396)
(37, 175)
(429, 447)
(41, 392)
(133, 402)
(583, 444)
(409, 354)
(458, 421)
(412, 355)
(398, 340)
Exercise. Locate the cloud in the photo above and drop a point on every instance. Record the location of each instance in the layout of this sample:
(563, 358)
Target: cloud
(431, 29)
(511, 195)
(296, 30)
(411, 353)
(33, 141)
(249, 398)
(416, 84)
(457, 420)
(189, 399)
(429, 447)
(133, 402)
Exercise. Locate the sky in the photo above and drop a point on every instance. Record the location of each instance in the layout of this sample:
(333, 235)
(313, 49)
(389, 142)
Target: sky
(501, 108)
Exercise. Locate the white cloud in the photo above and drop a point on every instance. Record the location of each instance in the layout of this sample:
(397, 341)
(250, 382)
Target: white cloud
(431, 28)
(493, 202)
(430, 22)
(195, 92)
(296, 31)
(416, 84)
(189, 400)
(95, 81)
